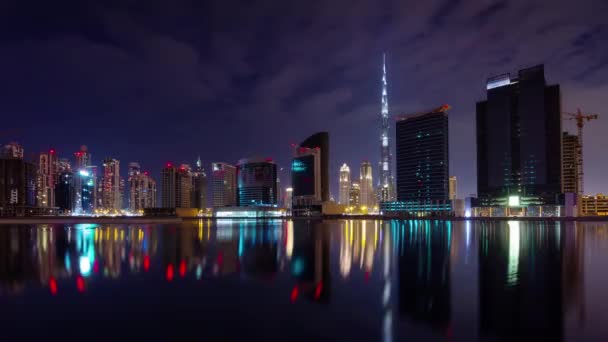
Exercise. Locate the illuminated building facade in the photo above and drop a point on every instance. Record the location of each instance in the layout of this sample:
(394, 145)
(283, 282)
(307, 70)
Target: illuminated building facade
(86, 191)
(142, 189)
(453, 188)
(224, 185)
(199, 186)
(111, 194)
(287, 200)
(354, 195)
(183, 192)
(257, 182)
(83, 173)
(594, 205)
(367, 198)
(47, 175)
(177, 186)
(570, 148)
(345, 181)
(519, 139)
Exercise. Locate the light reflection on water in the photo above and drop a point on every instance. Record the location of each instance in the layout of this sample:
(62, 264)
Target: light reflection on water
(388, 280)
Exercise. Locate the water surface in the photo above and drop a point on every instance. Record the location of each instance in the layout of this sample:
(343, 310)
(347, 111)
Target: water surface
(306, 280)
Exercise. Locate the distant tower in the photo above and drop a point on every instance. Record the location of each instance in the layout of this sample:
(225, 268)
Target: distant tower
(453, 188)
(385, 179)
(199, 186)
(111, 196)
(344, 185)
(355, 194)
(367, 185)
(570, 166)
(224, 185)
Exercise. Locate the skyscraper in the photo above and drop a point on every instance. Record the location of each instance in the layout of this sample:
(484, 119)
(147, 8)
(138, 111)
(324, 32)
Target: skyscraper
(367, 186)
(453, 188)
(64, 191)
(17, 182)
(569, 163)
(199, 186)
(310, 175)
(385, 178)
(257, 182)
(183, 192)
(12, 150)
(168, 176)
(422, 157)
(111, 185)
(224, 185)
(354, 194)
(142, 189)
(320, 141)
(82, 173)
(519, 141)
(343, 197)
(47, 175)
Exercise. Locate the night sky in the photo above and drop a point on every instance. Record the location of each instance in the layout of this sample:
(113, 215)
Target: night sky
(158, 81)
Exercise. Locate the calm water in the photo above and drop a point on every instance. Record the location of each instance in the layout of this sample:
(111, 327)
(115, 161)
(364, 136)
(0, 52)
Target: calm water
(300, 280)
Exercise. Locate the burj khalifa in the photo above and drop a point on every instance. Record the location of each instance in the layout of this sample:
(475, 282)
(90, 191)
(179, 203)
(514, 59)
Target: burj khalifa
(386, 189)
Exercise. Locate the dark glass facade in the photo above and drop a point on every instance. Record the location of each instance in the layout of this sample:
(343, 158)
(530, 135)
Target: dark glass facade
(17, 182)
(422, 157)
(303, 175)
(65, 191)
(519, 138)
(257, 183)
(321, 141)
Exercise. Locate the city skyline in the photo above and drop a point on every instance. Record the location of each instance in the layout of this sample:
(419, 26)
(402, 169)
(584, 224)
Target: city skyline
(258, 86)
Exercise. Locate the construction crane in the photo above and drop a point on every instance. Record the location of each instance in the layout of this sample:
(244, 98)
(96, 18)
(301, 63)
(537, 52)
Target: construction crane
(580, 119)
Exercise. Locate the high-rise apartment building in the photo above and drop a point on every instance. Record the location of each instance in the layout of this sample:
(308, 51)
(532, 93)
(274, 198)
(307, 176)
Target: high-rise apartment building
(570, 166)
(368, 196)
(142, 189)
(199, 186)
(17, 181)
(47, 176)
(257, 182)
(168, 177)
(519, 141)
(422, 157)
(12, 150)
(345, 181)
(85, 181)
(320, 141)
(65, 193)
(453, 188)
(224, 185)
(183, 192)
(354, 194)
(111, 193)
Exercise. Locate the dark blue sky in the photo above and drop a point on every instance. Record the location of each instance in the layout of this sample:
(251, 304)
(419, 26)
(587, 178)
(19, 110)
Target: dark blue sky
(158, 81)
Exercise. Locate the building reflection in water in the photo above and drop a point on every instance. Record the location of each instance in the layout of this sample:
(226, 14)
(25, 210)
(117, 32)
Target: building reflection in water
(424, 273)
(530, 275)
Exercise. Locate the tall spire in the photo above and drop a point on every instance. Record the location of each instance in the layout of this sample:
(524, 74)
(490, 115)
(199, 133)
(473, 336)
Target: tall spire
(199, 164)
(385, 180)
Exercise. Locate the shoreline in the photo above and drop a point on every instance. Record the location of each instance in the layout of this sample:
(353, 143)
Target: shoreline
(173, 220)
